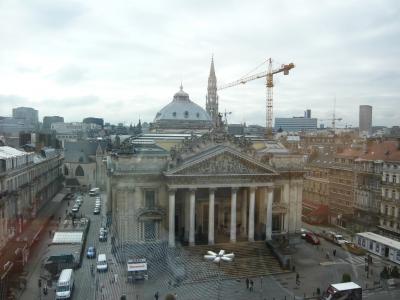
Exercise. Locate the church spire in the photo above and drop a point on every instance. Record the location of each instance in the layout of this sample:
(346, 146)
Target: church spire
(212, 96)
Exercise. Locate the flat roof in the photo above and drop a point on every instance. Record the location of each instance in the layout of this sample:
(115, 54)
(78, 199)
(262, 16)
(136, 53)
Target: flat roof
(60, 237)
(345, 286)
(380, 239)
(7, 152)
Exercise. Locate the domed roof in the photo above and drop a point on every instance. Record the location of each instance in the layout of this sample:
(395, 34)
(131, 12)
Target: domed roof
(182, 108)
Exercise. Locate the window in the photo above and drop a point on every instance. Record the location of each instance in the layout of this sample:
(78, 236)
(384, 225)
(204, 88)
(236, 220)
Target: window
(79, 171)
(377, 248)
(174, 114)
(198, 115)
(394, 178)
(65, 171)
(387, 177)
(363, 242)
(149, 198)
(186, 114)
(371, 245)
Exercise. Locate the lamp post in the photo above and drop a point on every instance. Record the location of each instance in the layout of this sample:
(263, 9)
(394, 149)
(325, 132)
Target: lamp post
(216, 258)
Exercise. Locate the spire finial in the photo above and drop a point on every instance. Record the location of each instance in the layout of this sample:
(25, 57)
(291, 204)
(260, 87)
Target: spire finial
(181, 87)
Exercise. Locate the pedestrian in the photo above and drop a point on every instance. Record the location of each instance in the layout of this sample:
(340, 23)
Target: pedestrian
(327, 255)
(251, 285)
(175, 296)
(115, 277)
(49, 233)
(247, 283)
(156, 295)
(334, 252)
(45, 289)
(40, 283)
(297, 279)
(66, 212)
(68, 203)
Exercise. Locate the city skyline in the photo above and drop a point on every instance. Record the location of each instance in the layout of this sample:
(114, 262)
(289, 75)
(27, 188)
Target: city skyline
(124, 62)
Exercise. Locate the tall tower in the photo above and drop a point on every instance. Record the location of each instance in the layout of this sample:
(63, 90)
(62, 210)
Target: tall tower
(212, 97)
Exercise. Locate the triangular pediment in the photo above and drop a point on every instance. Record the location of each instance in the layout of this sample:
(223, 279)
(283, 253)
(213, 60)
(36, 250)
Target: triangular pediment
(223, 162)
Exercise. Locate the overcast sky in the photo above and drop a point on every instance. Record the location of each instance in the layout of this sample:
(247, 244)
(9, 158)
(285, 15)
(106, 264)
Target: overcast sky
(121, 60)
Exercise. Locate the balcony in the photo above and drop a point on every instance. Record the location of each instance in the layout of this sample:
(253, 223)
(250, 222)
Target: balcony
(151, 213)
(279, 207)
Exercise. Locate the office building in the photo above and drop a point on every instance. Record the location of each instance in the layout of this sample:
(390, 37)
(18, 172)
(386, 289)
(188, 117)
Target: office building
(365, 120)
(295, 124)
(48, 120)
(30, 115)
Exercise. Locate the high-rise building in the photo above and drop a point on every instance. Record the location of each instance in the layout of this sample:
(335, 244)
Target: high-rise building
(295, 124)
(365, 120)
(30, 115)
(307, 113)
(48, 120)
(212, 96)
(93, 120)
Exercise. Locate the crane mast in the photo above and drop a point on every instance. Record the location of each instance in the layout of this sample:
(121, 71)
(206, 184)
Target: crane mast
(269, 85)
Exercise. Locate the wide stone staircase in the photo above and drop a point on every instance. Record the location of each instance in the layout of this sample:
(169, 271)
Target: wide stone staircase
(252, 259)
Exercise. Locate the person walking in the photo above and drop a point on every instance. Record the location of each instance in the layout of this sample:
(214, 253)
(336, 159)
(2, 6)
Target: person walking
(297, 279)
(251, 285)
(156, 295)
(334, 252)
(247, 283)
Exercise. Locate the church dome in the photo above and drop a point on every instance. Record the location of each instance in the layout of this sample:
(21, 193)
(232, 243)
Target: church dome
(182, 109)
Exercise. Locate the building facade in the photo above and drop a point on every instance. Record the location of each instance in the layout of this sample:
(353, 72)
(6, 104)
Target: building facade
(28, 114)
(296, 124)
(48, 120)
(365, 120)
(207, 189)
(27, 182)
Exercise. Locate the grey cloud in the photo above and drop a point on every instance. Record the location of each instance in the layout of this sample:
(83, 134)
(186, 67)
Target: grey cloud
(69, 75)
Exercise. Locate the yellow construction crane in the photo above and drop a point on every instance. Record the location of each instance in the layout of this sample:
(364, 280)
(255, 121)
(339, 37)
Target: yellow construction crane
(269, 84)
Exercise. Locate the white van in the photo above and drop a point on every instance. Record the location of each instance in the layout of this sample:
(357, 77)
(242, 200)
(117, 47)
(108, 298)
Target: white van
(65, 284)
(102, 265)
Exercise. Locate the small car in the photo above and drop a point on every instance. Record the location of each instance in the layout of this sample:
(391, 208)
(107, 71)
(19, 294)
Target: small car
(79, 201)
(303, 232)
(103, 229)
(312, 238)
(103, 237)
(75, 208)
(91, 252)
(96, 211)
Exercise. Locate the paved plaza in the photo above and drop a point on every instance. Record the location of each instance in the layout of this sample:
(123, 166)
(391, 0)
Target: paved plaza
(205, 280)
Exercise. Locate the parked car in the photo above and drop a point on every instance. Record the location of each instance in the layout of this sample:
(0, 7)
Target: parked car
(91, 252)
(303, 232)
(75, 208)
(96, 211)
(79, 201)
(312, 238)
(103, 229)
(103, 237)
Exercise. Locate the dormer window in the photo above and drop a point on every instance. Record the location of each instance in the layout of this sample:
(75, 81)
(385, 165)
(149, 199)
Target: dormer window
(186, 114)
(198, 115)
(174, 114)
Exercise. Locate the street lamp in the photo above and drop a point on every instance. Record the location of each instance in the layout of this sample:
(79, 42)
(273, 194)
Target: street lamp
(216, 258)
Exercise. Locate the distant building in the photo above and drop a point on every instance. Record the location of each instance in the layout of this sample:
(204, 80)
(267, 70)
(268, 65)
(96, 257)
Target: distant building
(296, 124)
(236, 129)
(92, 120)
(73, 131)
(307, 113)
(365, 120)
(30, 115)
(48, 120)
(13, 126)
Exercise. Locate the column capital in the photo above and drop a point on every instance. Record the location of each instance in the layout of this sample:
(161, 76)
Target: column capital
(192, 190)
(171, 190)
(252, 188)
(234, 189)
(212, 190)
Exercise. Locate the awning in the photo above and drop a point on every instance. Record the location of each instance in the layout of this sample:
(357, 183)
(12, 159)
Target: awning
(322, 210)
(137, 267)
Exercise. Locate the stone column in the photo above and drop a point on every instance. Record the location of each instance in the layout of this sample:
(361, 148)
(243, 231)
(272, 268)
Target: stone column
(251, 213)
(233, 214)
(211, 206)
(268, 230)
(171, 228)
(244, 211)
(192, 216)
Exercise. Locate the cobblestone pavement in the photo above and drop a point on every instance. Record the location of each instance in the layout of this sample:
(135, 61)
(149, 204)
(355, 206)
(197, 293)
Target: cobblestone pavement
(315, 270)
